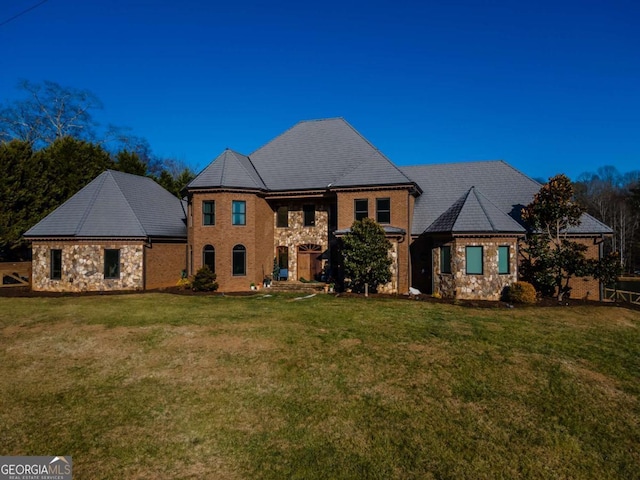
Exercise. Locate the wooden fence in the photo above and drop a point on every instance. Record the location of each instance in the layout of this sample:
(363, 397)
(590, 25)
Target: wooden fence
(622, 296)
(15, 274)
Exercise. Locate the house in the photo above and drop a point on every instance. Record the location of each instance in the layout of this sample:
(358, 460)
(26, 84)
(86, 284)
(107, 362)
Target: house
(455, 229)
(120, 232)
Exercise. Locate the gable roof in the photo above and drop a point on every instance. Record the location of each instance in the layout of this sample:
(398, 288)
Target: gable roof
(230, 169)
(504, 187)
(116, 204)
(473, 212)
(319, 154)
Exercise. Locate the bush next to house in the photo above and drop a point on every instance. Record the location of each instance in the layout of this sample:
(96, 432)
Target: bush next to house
(365, 253)
(204, 281)
(520, 292)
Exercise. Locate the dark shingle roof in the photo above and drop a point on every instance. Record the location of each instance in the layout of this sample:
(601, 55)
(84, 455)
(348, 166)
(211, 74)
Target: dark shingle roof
(503, 186)
(230, 169)
(116, 204)
(318, 153)
(474, 212)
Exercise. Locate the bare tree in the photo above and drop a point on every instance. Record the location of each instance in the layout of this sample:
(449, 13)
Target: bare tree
(607, 196)
(50, 111)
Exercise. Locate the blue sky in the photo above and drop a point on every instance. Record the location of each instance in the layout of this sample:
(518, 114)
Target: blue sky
(550, 87)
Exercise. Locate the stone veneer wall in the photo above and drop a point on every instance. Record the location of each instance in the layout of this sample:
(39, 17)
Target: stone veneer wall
(297, 234)
(392, 286)
(83, 267)
(487, 286)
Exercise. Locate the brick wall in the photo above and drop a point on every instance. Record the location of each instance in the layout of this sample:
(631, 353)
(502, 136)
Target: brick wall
(256, 236)
(586, 287)
(402, 203)
(164, 263)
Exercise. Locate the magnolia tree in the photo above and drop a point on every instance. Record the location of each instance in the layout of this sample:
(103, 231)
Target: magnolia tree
(365, 252)
(552, 258)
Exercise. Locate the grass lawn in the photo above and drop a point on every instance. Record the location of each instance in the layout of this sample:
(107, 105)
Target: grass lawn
(167, 386)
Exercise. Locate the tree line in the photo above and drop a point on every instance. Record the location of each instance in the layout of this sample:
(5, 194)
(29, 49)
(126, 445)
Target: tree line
(51, 146)
(614, 198)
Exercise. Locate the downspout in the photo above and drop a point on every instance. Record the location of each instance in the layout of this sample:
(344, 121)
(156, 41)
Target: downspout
(600, 252)
(409, 232)
(146, 245)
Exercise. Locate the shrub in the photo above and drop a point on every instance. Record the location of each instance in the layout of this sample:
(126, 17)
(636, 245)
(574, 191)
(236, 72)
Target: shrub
(204, 280)
(365, 255)
(521, 292)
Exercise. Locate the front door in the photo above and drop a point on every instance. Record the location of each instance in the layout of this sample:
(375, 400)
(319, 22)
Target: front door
(309, 261)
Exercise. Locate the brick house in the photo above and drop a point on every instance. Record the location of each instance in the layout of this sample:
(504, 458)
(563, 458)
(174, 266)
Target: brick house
(455, 229)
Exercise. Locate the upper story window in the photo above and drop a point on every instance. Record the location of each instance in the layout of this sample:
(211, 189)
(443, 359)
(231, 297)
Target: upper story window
(56, 264)
(474, 260)
(309, 215)
(239, 212)
(209, 212)
(383, 210)
(111, 263)
(361, 208)
(282, 217)
(503, 259)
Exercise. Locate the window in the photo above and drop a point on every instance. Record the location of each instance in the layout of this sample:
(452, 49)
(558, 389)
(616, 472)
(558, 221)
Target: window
(56, 264)
(282, 272)
(111, 263)
(309, 215)
(209, 212)
(445, 259)
(474, 260)
(239, 260)
(209, 257)
(282, 217)
(361, 207)
(503, 259)
(239, 212)
(383, 210)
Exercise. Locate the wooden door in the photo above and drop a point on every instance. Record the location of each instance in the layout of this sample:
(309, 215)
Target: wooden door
(309, 262)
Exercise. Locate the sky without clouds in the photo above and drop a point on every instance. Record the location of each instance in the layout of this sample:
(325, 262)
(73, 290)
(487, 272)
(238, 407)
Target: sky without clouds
(549, 87)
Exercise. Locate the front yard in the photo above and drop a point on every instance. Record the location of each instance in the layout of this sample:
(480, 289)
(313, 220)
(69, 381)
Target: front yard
(167, 386)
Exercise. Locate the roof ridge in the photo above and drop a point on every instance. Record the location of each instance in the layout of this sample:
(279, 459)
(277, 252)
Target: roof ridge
(135, 215)
(484, 210)
(224, 164)
(519, 172)
(457, 162)
(264, 185)
(377, 150)
(455, 209)
(85, 215)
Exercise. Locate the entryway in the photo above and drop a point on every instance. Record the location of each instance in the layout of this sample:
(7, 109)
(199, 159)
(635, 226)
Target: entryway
(309, 261)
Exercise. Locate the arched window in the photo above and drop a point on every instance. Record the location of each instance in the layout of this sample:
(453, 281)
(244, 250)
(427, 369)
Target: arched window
(239, 260)
(209, 257)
